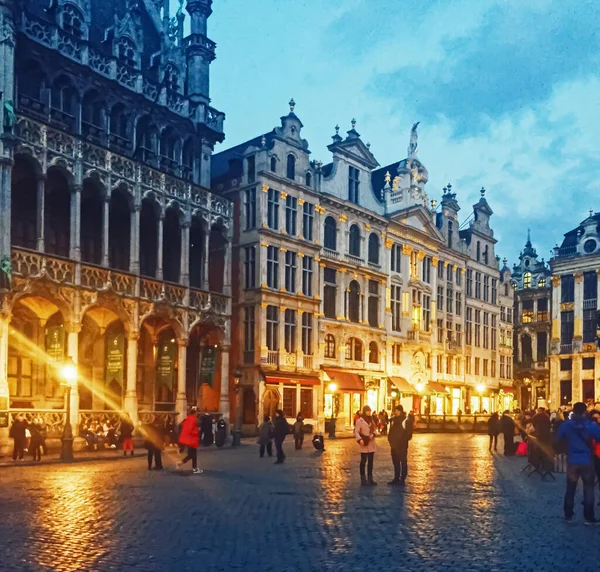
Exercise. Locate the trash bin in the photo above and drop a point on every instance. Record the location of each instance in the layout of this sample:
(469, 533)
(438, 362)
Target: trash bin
(221, 433)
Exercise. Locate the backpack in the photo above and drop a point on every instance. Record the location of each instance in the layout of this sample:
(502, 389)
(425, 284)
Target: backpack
(408, 425)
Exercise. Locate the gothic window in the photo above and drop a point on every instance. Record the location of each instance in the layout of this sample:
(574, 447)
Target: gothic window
(31, 81)
(72, 21)
(147, 138)
(373, 353)
(169, 148)
(92, 109)
(354, 241)
(126, 52)
(354, 302)
(329, 346)
(63, 96)
(291, 167)
(330, 238)
(373, 248)
(188, 159)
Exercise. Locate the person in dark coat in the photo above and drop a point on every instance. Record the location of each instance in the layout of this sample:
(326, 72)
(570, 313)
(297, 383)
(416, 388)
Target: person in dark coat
(154, 443)
(207, 430)
(507, 427)
(399, 434)
(542, 425)
(299, 432)
(494, 430)
(18, 433)
(579, 433)
(35, 442)
(265, 437)
(280, 432)
(126, 432)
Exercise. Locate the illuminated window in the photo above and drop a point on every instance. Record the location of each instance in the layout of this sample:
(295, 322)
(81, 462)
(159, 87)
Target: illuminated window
(542, 283)
(527, 280)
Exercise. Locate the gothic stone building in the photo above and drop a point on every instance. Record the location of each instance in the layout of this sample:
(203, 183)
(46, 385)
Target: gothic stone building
(574, 355)
(531, 280)
(350, 287)
(108, 228)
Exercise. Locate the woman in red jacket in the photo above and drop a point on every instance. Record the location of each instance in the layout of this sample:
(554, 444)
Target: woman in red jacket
(190, 438)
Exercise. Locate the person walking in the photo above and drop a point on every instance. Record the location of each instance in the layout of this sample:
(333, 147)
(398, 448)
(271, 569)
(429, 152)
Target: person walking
(18, 433)
(280, 432)
(364, 432)
(595, 415)
(494, 430)
(126, 432)
(299, 432)
(35, 442)
(578, 432)
(154, 443)
(190, 438)
(265, 437)
(507, 427)
(400, 433)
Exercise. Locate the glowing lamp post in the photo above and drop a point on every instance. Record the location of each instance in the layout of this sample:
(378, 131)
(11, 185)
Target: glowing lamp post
(237, 430)
(334, 407)
(68, 373)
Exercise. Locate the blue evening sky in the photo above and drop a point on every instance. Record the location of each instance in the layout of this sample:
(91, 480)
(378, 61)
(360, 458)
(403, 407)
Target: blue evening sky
(507, 92)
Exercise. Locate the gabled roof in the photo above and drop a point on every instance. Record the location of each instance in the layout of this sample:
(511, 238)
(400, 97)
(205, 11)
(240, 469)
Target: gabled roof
(418, 218)
(353, 147)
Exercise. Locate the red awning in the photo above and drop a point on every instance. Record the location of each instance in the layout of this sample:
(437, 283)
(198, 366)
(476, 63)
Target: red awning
(292, 379)
(507, 389)
(403, 385)
(436, 387)
(345, 380)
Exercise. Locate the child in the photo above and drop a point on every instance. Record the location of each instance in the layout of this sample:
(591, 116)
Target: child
(318, 442)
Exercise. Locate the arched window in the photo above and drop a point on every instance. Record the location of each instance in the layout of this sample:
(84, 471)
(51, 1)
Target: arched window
(373, 248)
(506, 289)
(330, 238)
(373, 352)
(118, 121)
(126, 52)
(92, 109)
(72, 21)
(329, 346)
(354, 349)
(63, 96)
(308, 179)
(291, 167)
(171, 77)
(169, 149)
(273, 164)
(354, 302)
(354, 241)
(147, 139)
(527, 280)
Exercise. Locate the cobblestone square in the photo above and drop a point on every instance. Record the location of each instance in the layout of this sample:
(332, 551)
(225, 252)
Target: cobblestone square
(463, 509)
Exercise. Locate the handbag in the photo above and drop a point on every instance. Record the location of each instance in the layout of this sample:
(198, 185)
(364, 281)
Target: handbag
(522, 449)
(365, 439)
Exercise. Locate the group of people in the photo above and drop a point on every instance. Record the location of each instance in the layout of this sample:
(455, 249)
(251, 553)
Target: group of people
(380, 420)
(28, 436)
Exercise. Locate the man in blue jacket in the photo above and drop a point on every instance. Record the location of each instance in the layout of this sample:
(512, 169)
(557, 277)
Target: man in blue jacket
(579, 432)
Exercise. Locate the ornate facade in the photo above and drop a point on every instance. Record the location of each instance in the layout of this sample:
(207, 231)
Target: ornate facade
(531, 280)
(350, 286)
(114, 252)
(574, 354)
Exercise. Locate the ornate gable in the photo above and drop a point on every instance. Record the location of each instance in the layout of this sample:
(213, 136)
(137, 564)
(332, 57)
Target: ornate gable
(419, 218)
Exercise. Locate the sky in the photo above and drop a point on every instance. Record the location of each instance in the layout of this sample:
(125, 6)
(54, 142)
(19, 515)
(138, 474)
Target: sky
(507, 93)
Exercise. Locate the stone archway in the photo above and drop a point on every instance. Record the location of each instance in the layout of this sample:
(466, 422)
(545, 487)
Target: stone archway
(270, 401)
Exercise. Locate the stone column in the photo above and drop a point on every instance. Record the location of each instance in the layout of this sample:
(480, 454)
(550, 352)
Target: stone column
(75, 239)
(131, 402)
(205, 259)
(184, 277)
(555, 310)
(73, 353)
(105, 237)
(159, 257)
(576, 378)
(534, 354)
(555, 381)
(382, 304)
(578, 307)
(224, 406)
(281, 267)
(227, 269)
(4, 393)
(341, 296)
(181, 399)
(134, 252)
(41, 199)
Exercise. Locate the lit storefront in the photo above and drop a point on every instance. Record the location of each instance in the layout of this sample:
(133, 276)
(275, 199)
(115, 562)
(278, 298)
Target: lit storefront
(349, 394)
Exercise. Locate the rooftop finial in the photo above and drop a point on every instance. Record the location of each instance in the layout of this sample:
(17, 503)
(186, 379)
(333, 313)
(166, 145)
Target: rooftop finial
(263, 141)
(591, 212)
(292, 105)
(353, 123)
(444, 190)
(482, 192)
(433, 204)
(528, 235)
(337, 129)
(387, 178)
(449, 188)
(368, 145)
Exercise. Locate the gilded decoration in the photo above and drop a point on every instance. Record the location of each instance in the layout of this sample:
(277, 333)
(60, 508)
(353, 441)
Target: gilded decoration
(555, 281)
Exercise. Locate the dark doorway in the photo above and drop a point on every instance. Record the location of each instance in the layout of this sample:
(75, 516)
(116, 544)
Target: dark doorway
(148, 238)
(119, 230)
(171, 246)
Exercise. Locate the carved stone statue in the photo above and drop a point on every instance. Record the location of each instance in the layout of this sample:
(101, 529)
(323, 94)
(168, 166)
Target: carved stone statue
(414, 141)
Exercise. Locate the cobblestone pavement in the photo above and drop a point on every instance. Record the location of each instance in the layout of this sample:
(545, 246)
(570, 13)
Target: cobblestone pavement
(463, 509)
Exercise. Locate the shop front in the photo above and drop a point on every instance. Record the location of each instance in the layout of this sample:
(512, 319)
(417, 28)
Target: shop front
(401, 393)
(344, 395)
(507, 399)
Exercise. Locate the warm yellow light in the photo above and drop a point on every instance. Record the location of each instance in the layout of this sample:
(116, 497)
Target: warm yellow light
(333, 387)
(420, 387)
(394, 394)
(481, 388)
(69, 373)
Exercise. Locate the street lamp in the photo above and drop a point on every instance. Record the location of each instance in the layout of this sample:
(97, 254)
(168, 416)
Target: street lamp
(332, 389)
(237, 430)
(68, 372)
(420, 387)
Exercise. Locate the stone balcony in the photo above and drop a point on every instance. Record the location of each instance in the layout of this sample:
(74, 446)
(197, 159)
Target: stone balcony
(31, 264)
